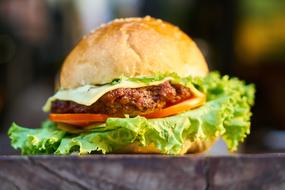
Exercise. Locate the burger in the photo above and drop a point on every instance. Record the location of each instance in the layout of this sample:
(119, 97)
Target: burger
(139, 85)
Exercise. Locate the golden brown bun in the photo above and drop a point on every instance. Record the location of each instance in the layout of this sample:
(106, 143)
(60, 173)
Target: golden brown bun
(197, 146)
(131, 47)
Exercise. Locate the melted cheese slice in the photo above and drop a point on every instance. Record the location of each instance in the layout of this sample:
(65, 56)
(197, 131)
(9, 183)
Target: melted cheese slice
(89, 94)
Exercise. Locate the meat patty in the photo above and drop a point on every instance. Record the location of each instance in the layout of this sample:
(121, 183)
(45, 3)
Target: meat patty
(132, 101)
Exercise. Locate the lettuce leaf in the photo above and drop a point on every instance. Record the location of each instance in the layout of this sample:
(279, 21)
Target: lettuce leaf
(226, 113)
(44, 140)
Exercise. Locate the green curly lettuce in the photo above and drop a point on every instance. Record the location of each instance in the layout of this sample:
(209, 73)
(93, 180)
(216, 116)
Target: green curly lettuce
(226, 113)
(36, 141)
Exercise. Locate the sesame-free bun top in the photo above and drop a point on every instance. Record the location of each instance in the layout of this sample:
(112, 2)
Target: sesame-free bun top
(131, 47)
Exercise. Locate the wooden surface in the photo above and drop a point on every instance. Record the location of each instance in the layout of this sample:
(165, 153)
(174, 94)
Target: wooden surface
(147, 172)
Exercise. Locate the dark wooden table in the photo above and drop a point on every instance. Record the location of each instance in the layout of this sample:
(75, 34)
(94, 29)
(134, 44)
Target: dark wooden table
(260, 171)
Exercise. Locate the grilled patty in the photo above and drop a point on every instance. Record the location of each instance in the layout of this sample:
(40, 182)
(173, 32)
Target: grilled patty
(132, 101)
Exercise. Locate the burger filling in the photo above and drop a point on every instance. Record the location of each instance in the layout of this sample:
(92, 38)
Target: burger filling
(172, 111)
(131, 101)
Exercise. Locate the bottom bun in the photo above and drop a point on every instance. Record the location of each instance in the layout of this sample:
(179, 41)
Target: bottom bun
(197, 146)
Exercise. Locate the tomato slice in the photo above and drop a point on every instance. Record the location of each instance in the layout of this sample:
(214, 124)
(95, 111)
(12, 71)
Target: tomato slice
(178, 108)
(81, 119)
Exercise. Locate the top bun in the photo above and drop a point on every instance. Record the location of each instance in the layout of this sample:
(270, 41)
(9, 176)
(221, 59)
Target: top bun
(131, 47)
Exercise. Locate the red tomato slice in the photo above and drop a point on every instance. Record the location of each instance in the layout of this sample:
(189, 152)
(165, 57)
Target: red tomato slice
(178, 108)
(78, 119)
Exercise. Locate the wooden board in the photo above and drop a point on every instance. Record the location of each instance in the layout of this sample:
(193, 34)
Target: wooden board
(147, 172)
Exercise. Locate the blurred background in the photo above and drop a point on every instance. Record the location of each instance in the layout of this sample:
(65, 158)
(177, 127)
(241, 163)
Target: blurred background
(241, 38)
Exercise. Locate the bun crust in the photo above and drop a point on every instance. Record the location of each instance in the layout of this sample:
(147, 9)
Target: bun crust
(131, 47)
(197, 146)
